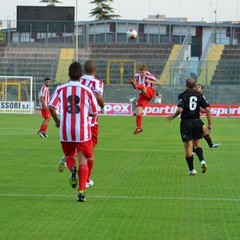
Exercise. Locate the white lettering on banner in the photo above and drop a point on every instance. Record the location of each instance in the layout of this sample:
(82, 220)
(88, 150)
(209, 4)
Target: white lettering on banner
(16, 107)
(216, 110)
(118, 109)
(223, 111)
(219, 111)
(162, 110)
(125, 109)
(235, 110)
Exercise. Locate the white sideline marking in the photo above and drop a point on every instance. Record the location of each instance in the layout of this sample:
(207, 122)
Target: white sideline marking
(126, 197)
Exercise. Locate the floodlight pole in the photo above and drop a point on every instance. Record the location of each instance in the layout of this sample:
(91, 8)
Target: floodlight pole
(215, 32)
(76, 32)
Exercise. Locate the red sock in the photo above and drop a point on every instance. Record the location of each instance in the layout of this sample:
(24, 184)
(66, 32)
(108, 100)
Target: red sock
(140, 86)
(139, 121)
(43, 128)
(82, 176)
(46, 127)
(70, 162)
(90, 167)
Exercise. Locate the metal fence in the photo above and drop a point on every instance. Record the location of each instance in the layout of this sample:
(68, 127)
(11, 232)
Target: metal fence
(218, 88)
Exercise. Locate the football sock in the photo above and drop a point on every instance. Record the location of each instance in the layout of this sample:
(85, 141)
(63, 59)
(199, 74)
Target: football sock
(208, 140)
(70, 162)
(43, 128)
(193, 149)
(82, 176)
(139, 121)
(190, 163)
(199, 153)
(90, 167)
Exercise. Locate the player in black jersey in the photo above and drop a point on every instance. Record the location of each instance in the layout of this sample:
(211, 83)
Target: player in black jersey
(189, 103)
(206, 131)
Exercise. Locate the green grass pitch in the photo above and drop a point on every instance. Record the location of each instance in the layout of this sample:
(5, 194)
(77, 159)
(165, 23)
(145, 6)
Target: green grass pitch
(141, 191)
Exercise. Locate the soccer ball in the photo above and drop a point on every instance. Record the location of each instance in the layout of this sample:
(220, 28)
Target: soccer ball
(132, 34)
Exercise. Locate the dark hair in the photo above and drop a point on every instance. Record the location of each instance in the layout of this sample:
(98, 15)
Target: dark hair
(47, 78)
(200, 85)
(89, 67)
(191, 83)
(75, 71)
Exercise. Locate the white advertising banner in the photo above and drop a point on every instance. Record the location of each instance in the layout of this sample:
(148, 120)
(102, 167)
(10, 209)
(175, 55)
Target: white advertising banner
(16, 107)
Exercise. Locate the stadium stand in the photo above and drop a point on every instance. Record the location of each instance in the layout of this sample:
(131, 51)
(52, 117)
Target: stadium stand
(228, 67)
(36, 62)
(210, 64)
(165, 76)
(65, 59)
(41, 62)
(154, 56)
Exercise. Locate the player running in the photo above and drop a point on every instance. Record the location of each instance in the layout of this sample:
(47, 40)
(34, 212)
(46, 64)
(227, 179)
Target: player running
(206, 131)
(96, 86)
(44, 97)
(76, 102)
(191, 126)
(143, 81)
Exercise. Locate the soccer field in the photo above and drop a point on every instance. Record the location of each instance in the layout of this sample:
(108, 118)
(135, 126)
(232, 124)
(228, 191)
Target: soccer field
(142, 190)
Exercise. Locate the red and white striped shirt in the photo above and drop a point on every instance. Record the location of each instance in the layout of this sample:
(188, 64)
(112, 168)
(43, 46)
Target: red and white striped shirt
(96, 86)
(75, 102)
(44, 93)
(142, 80)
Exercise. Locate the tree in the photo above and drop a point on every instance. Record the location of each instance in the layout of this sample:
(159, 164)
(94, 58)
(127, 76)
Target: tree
(51, 2)
(2, 37)
(103, 11)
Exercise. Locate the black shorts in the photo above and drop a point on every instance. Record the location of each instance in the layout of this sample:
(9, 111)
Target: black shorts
(191, 129)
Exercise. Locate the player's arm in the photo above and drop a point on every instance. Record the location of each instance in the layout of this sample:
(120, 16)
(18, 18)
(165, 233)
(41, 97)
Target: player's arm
(93, 107)
(99, 94)
(92, 114)
(154, 82)
(205, 105)
(202, 110)
(42, 100)
(54, 101)
(100, 100)
(133, 80)
(209, 118)
(54, 116)
(174, 115)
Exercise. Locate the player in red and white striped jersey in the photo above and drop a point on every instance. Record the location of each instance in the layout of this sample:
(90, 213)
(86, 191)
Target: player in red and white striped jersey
(76, 103)
(143, 81)
(44, 97)
(96, 86)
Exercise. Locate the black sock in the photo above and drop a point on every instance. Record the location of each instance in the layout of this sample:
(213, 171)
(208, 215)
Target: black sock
(208, 140)
(199, 153)
(190, 163)
(193, 149)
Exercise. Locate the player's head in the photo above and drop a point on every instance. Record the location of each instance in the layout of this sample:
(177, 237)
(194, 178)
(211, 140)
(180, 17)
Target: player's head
(191, 83)
(142, 70)
(47, 81)
(75, 71)
(90, 67)
(199, 87)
